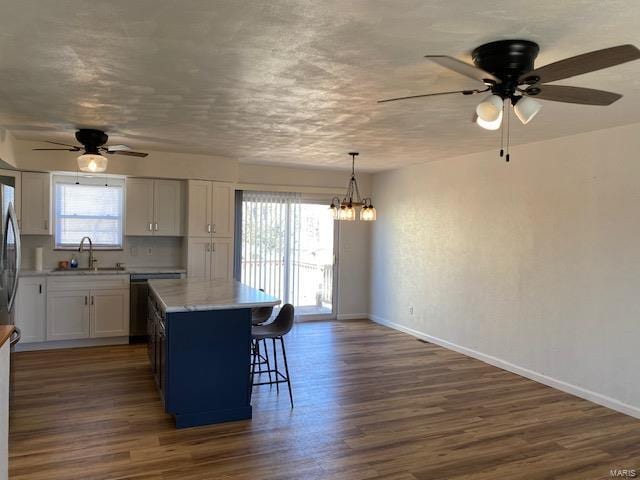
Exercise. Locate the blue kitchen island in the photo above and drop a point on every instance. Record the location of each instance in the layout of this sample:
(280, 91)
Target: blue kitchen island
(199, 347)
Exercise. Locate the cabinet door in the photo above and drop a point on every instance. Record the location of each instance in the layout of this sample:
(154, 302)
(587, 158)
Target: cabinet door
(199, 222)
(36, 203)
(222, 207)
(31, 309)
(15, 195)
(139, 206)
(199, 258)
(109, 313)
(168, 207)
(68, 315)
(222, 259)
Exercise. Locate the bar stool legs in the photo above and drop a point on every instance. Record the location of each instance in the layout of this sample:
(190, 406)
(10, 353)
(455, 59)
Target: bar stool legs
(279, 376)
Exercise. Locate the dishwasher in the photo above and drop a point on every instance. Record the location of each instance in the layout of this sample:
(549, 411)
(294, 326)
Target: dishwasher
(138, 307)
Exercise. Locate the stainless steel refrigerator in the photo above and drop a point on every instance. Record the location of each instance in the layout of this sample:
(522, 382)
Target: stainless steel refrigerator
(9, 255)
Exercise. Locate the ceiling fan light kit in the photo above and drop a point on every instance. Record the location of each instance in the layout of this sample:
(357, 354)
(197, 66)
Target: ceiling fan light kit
(506, 68)
(92, 163)
(344, 210)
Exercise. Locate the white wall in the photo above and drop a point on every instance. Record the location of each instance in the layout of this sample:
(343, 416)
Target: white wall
(7, 153)
(532, 265)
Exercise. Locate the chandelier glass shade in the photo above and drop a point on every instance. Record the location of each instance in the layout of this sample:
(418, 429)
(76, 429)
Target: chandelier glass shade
(345, 209)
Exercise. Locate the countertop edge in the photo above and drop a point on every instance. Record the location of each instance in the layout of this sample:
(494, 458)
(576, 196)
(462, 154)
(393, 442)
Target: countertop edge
(5, 333)
(128, 271)
(204, 308)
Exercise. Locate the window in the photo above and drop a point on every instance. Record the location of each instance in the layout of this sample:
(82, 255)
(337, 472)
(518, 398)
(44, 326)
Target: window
(88, 209)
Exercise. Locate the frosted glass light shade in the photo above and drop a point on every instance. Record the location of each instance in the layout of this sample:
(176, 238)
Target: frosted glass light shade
(495, 125)
(92, 163)
(334, 212)
(347, 213)
(526, 109)
(490, 109)
(368, 214)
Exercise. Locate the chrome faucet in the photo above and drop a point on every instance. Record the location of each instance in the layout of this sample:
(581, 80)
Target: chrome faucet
(80, 249)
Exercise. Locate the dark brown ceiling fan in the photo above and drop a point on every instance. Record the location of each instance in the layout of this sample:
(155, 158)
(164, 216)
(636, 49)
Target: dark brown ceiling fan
(506, 68)
(93, 142)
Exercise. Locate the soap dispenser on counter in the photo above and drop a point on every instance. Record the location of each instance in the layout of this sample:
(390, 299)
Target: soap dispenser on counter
(74, 261)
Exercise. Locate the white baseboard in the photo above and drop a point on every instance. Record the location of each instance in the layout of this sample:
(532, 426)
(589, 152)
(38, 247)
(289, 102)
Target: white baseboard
(352, 316)
(592, 396)
(84, 342)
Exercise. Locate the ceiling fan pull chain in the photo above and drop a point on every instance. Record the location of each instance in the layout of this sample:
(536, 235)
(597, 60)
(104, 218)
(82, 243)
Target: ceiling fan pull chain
(502, 134)
(508, 127)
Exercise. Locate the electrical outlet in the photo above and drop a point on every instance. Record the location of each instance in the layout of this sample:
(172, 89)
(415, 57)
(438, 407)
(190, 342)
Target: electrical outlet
(411, 310)
(149, 251)
(134, 252)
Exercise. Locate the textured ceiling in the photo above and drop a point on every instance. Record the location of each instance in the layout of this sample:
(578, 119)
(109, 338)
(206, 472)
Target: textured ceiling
(291, 82)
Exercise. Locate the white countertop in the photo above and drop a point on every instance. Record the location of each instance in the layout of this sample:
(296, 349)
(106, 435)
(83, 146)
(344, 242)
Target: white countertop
(126, 271)
(190, 295)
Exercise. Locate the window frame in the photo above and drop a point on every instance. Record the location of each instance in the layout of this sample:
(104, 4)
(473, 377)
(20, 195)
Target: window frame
(95, 180)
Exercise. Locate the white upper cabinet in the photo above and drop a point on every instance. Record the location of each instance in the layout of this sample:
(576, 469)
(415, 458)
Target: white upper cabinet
(36, 203)
(17, 189)
(154, 207)
(139, 200)
(222, 210)
(210, 209)
(168, 207)
(199, 208)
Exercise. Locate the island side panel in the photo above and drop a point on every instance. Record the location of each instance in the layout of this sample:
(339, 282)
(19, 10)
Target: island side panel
(207, 366)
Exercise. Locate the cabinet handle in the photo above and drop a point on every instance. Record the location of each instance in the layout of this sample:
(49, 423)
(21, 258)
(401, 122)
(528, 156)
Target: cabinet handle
(155, 227)
(214, 228)
(213, 247)
(151, 227)
(40, 289)
(91, 299)
(46, 224)
(86, 300)
(208, 228)
(208, 247)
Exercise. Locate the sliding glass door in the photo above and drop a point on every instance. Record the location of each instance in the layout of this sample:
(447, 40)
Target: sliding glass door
(286, 246)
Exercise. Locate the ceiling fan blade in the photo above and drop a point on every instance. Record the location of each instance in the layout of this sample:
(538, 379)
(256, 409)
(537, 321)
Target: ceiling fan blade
(116, 148)
(585, 63)
(463, 92)
(128, 152)
(463, 68)
(582, 96)
(63, 144)
(58, 149)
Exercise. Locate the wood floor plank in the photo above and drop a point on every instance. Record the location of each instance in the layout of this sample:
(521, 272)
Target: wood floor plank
(371, 403)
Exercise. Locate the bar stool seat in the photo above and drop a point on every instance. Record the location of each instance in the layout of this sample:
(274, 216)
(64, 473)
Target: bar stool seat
(275, 330)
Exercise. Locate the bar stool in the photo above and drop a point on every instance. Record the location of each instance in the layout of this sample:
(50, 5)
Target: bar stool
(275, 330)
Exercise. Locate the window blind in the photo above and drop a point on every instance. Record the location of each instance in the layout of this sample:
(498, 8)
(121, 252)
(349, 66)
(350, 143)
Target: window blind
(92, 210)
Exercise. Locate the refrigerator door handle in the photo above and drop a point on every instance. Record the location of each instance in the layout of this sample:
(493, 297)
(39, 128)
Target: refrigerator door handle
(12, 222)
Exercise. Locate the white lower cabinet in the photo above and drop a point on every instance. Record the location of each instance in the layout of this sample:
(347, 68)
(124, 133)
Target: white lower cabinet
(68, 315)
(109, 313)
(99, 308)
(31, 309)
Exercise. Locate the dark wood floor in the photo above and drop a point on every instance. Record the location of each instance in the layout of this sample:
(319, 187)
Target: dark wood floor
(371, 403)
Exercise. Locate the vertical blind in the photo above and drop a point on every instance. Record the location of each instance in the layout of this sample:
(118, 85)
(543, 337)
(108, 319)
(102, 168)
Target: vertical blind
(89, 209)
(269, 246)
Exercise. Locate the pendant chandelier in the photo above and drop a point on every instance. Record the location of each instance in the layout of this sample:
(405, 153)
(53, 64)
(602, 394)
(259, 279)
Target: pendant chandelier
(345, 209)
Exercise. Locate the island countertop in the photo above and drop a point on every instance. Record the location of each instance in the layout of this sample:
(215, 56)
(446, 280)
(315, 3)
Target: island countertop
(192, 295)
